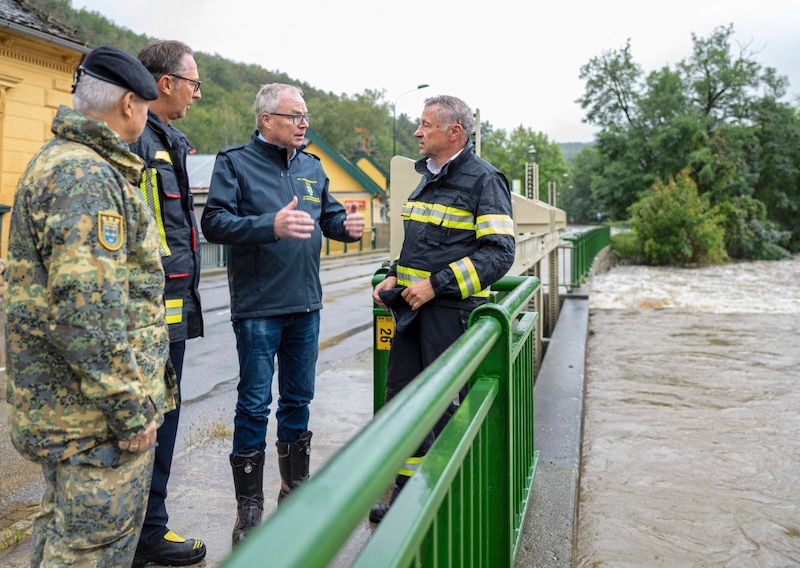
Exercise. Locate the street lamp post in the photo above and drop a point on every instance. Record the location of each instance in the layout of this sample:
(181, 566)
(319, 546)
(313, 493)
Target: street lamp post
(394, 116)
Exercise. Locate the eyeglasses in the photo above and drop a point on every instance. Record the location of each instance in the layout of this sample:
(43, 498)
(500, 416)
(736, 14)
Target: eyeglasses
(297, 119)
(195, 84)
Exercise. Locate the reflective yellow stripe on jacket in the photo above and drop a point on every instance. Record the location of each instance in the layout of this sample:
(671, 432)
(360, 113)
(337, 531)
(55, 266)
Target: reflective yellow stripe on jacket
(411, 466)
(454, 218)
(407, 276)
(436, 214)
(174, 310)
(466, 276)
(494, 225)
(149, 187)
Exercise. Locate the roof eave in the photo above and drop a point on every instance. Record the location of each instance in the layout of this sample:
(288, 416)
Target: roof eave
(61, 42)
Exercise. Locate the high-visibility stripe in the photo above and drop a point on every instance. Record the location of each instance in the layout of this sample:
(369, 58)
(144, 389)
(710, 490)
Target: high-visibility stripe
(494, 225)
(407, 276)
(174, 310)
(467, 278)
(149, 187)
(435, 214)
(411, 466)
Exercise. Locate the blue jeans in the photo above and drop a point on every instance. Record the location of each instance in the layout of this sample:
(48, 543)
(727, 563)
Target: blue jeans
(294, 339)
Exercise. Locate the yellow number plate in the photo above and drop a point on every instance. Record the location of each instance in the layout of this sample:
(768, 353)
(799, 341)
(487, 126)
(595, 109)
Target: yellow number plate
(384, 332)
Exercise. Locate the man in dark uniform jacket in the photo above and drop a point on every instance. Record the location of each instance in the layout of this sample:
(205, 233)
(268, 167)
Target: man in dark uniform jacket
(165, 186)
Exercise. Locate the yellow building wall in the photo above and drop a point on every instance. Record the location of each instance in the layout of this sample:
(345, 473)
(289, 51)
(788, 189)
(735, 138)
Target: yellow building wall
(374, 173)
(35, 78)
(346, 191)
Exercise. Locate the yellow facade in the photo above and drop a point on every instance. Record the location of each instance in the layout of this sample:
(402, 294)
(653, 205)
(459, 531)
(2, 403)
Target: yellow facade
(348, 191)
(373, 172)
(35, 78)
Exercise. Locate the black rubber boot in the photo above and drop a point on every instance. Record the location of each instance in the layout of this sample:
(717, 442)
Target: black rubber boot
(248, 479)
(379, 510)
(293, 462)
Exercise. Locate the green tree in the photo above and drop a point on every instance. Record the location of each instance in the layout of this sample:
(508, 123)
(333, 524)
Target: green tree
(578, 200)
(719, 83)
(510, 152)
(674, 225)
(613, 83)
(777, 163)
(715, 115)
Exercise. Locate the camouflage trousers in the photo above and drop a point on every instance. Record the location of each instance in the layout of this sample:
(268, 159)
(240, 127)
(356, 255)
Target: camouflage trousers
(92, 509)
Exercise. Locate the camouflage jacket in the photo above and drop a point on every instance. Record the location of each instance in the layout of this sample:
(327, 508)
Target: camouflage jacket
(87, 345)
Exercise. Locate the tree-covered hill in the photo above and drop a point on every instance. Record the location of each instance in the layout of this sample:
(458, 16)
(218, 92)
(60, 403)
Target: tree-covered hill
(224, 115)
(349, 123)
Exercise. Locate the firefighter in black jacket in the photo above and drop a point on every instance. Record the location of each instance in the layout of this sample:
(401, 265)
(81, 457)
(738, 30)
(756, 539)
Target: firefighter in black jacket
(165, 186)
(458, 240)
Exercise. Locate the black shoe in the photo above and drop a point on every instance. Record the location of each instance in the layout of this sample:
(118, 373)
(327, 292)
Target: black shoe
(377, 512)
(172, 550)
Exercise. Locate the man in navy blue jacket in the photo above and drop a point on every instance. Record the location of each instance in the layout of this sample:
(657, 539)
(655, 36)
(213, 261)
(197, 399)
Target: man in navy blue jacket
(269, 202)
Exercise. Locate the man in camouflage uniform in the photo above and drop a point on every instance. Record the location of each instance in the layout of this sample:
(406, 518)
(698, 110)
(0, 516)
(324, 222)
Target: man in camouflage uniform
(87, 345)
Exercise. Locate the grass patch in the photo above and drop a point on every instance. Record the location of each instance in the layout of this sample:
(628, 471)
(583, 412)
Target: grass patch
(208, 429)
(11, 536)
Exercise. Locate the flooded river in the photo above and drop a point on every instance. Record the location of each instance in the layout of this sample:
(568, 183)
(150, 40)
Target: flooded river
(691, 451)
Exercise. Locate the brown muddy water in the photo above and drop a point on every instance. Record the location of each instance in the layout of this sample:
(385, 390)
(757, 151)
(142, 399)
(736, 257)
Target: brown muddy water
(691, 445)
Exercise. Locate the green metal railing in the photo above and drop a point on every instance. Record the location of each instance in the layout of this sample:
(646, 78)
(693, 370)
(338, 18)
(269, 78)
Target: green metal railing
(584, 247)
(466, 504)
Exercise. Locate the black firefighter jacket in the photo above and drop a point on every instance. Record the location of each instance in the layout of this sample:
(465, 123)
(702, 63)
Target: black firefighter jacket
(165, 187)
(458, 230)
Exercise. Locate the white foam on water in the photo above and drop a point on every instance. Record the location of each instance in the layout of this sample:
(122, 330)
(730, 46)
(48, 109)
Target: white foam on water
(742, 287)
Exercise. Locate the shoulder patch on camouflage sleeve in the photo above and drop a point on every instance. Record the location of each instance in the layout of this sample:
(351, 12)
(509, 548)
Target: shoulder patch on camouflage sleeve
(109, 229)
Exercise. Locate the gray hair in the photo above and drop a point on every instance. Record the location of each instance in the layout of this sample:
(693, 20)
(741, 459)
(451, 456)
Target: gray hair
(267, 98)
(93, 96)
(453, 110)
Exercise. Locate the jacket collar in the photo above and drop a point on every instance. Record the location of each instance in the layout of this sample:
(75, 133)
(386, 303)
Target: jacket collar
(421, 166)
(273, 150)
(171, 135)
(75, 127)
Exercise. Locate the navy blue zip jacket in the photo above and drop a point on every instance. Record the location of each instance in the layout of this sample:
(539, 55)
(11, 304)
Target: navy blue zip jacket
(269, 276)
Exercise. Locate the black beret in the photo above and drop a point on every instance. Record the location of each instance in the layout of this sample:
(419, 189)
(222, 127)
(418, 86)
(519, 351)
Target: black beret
(120, 68)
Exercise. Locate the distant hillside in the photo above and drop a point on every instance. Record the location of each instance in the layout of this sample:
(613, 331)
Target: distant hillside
(569, 149)
(351, 124)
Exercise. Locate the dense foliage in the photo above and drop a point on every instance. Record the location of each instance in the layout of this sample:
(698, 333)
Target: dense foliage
(675, 225)
(717, 116)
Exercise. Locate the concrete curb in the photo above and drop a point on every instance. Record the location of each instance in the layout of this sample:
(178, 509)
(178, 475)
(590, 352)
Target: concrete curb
(548, 535)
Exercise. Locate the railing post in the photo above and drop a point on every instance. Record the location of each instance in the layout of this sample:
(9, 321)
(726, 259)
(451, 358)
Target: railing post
(499, 552)
(383, 333)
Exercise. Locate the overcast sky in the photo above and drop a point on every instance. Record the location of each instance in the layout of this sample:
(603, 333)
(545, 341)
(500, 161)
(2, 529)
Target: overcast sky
(516, 62)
